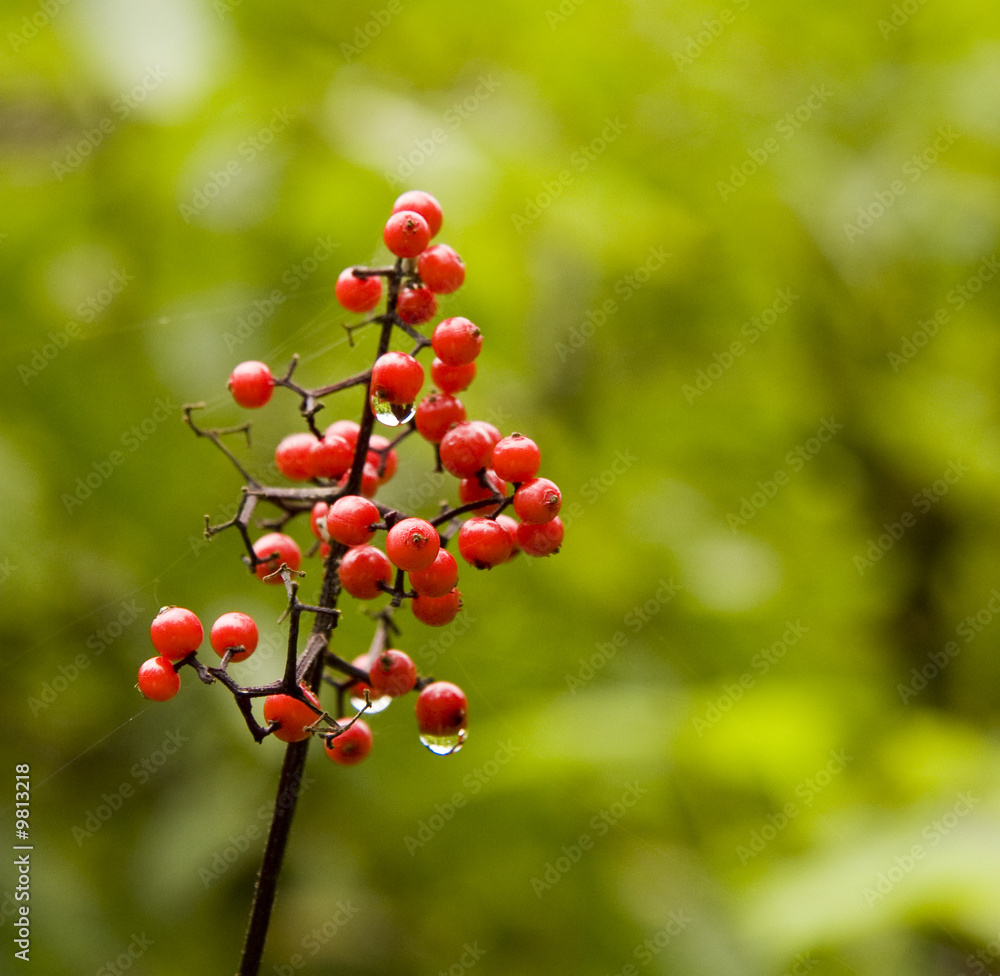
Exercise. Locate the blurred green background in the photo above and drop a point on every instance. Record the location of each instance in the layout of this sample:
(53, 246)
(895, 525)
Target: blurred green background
(736, 268)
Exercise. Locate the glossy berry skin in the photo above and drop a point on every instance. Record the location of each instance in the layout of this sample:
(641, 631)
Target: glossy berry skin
(176, 632)
(158, 681)
(251, 384)
(436, 412)
(465, 449)
(537, 501)
(441, 269)
(483, 543)
(369, 480)
(416, 305)
(511, 526)
(412, 544)
(358, 294)
(330, 457)
(293, 456)
(349, 518)
(436, 611)
(393, 674)
(471, 490)
(294, 715)
(442, 709)
(540, 539)
(456, 341)
(234, 629)
(362, 569)
(348, 429)
(406, 234)
(317, 521)
(490, 431)
(351, 746)
(287, 550)
(421, 202)
(516, 458)
(452, 379)
(397, 377)
(439, 578)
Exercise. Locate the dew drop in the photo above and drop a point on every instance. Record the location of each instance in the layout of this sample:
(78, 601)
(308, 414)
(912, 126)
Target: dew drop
(392, 414)
(444, 745)
(379, 704)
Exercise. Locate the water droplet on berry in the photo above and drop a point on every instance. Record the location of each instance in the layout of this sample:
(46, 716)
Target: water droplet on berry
(444, 745)
(392, 414)
(379, 704)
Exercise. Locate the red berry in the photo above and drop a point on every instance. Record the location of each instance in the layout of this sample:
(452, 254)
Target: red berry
(465, 449)
(436, 412)
(416, 305)
(483, 543)
(441, 269)
(286, 549)
(317, 521)
(397, 377)
(176, 632)
(393, 673)
(540, 539)
(293, 456)
(406, 234)
(471, 490)
(456, 341)
(378, 447)
(358, 294)
(511, 526)
(412, 543)
(348, 429)
(422, 203)
(436, 611)
(537, 501)
(452, 379)
(491, 432)
(516, 458)
(234, 629)
(351, 746)
(251, 384)
(369, 480)
(349, 518)
(437, 579)
(442, 709)
(158, 680)
(362, 569)
(293, 714)
(330, 457)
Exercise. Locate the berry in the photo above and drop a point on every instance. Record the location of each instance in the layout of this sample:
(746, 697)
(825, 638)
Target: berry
(416, 305)
(406, 234)
(378, 446)
(516, 458)
(362, 569)
(358, 294)
(158, 680)
(511, 526)
(441, 269)
(369, 480)
(317, 521)
(348, 429)
(330, 457)
(437, 579)
(456, 341)
(452, 379)
(471, 490)
(293, 714)
(422, 203)
(412, 543)
(176, 632)
(483, 543)
(393, 673)
(234, 629)
(397, 377)
(293, 456)
(436, 412)
(274, 549)
(540, 539)
(351, 746)
(436, 611)
(491, 432)
(251, 384)
(442, 709)
(537, 501)
(465, 449)
(349, 519)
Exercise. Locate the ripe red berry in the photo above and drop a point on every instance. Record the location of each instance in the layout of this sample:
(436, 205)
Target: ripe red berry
(351, 746)
(537, 501)
(317, 521)
(416, 305)
(540, 539)
(274, 549)
(234, 629)
(397, 377)
(456, 341)
(436, 412)
(511, 526)
(442, 709)
(483, 543)
(465, 449)
(471, 490)
(412, 543)
(158, 680)
(490, 430)
(330, 457)
(393, 673)
(516, 458)
(378, 447)
(348, 429)
(422, 203)
(437, 579)
(362, 569)
(436, 611)
(251, 384)
(441, 269)
(176, 632)
(406, 234)
(293, 456)
(293, 714)
(452, 379)
(358, 294)
(369, 480)
(349, 518)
